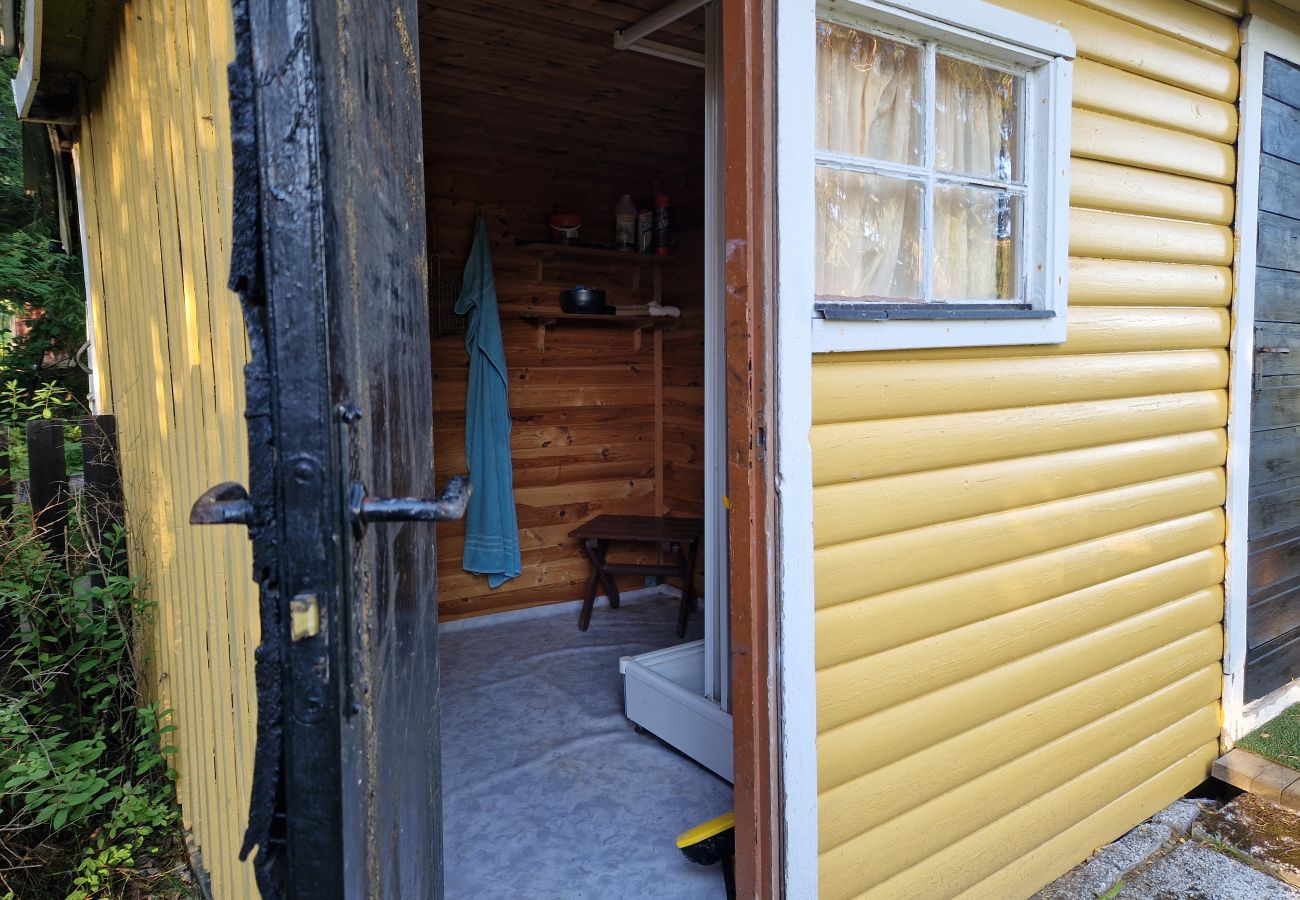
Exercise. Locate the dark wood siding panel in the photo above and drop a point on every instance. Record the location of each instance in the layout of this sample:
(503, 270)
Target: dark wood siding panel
(1273, 456)
(1274, 368)
(1279, 243)
(1276, 407)
(1273, 561)
(1279, 186)
(1282, 81)
(1276, 510)
(1273, 617)
(1272, 665)
(1280, 134)
(1277, 295)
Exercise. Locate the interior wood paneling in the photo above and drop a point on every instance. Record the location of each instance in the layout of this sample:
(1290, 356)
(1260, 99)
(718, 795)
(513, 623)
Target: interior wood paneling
(522, 122)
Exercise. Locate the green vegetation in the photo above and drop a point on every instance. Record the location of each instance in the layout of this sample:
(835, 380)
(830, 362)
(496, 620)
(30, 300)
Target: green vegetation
(87, 796)
(40, 289)
(1278, 740)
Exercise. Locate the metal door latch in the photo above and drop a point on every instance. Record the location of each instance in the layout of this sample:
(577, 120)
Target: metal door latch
(448, 507)
(225, 504)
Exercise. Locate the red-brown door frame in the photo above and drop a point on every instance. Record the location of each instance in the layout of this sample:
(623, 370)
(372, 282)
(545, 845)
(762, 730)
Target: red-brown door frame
(748, 208)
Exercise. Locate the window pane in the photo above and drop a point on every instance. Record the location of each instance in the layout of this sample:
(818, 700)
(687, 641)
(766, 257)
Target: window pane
(977, 120)
(868, 236)
(976, 231)
(869, 96)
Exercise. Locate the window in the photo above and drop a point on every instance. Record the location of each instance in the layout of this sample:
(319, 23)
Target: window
(941, 176)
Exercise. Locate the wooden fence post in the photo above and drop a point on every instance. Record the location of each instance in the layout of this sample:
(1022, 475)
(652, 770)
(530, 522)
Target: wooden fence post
(47, 482)
(102, 493)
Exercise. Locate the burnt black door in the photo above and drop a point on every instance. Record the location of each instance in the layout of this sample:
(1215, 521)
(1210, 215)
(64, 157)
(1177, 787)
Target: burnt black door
(1273, 566)
(329, 261)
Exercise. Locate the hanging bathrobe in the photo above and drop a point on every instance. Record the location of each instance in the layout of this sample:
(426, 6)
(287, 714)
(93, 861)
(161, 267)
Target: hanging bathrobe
(491, 530)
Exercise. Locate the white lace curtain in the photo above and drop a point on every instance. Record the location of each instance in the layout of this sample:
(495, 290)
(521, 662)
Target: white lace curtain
(871, 105)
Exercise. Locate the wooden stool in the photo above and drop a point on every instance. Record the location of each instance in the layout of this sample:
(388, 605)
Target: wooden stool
(681, 535)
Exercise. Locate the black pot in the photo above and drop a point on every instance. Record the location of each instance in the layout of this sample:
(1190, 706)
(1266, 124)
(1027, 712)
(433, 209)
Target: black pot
(584, 300)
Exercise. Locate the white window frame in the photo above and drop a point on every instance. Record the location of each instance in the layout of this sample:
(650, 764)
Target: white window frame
(1043, 54)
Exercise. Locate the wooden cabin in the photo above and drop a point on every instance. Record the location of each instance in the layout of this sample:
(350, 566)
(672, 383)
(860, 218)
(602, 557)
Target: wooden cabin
(980, 389)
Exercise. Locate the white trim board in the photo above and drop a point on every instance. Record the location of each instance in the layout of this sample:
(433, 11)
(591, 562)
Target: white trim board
(1262, 38)
(796, 72)
(97, 404)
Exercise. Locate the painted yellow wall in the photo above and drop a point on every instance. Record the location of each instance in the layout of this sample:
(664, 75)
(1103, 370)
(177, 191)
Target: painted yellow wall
(1019, 554)
(154, 158)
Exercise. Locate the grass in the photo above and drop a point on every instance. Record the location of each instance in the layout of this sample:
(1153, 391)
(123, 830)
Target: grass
(1278, 739)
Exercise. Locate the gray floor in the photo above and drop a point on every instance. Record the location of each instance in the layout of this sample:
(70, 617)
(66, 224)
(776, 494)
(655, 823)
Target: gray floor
(548, 792)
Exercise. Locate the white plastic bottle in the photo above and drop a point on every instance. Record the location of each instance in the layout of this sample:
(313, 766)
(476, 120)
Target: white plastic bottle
(625, 224)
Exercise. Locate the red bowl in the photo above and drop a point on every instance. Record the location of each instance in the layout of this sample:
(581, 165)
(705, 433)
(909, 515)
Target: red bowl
(564, 227)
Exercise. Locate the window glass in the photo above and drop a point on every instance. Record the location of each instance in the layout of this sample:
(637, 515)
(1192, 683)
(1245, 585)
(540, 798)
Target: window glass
(976, 234)
(868, 236)
(869, 95)
(976, 120)
(907, 207)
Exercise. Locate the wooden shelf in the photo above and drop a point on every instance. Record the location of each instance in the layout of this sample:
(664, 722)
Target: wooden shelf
(596, 256)
(639, 324)
(577, 251)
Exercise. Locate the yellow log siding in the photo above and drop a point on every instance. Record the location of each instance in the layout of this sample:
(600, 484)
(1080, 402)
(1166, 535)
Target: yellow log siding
(154, 158)
(1019, 551)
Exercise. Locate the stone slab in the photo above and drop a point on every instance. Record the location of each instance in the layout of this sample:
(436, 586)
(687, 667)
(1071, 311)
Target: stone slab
(1192, 869)
(1116, 860)
(1257, 775)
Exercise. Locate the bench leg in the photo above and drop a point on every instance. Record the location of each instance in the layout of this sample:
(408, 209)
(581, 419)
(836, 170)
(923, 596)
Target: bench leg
(589, 601)
(596, 550)
(597, 559)
(611, 588)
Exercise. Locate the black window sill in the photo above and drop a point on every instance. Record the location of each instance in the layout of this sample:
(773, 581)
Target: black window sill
(878, 312)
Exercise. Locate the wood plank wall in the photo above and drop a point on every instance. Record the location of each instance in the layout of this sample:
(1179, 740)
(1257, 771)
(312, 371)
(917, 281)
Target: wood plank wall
(520, 123)
(154, 160)
(1019, 550)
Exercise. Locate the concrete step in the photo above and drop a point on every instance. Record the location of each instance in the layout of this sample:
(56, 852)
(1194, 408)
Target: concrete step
(1259, 776)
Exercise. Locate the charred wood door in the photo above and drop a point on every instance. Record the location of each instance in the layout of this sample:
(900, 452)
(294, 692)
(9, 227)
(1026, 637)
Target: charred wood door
(329, 260)
(1273, 565)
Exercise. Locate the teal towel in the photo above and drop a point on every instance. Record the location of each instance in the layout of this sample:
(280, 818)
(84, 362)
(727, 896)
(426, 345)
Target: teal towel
(491, 529)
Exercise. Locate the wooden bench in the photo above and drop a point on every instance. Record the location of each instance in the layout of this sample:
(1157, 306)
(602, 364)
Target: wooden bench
(681, 535)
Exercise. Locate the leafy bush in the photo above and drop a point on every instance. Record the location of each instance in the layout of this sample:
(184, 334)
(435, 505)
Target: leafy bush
(87, 797)
(43, 289)
(48, 401)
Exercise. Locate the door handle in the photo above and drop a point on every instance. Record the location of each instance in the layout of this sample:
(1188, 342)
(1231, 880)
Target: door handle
(1272, 349)
(448, 507)
(224, 504)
